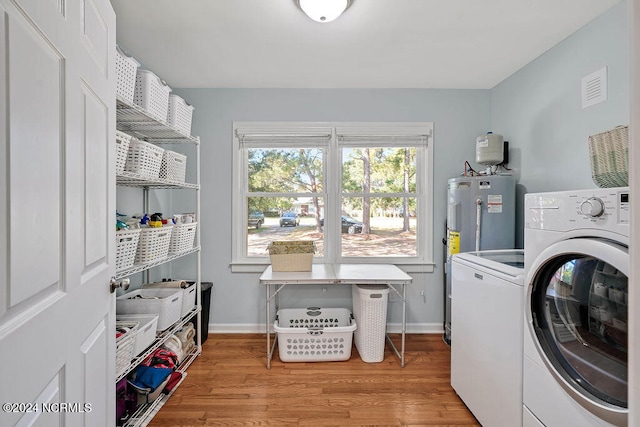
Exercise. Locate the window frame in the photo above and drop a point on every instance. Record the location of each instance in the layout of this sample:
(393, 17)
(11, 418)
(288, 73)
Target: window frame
(338, 135)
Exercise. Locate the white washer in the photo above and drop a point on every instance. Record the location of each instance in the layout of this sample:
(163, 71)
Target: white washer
(486, 346)
(575, 339)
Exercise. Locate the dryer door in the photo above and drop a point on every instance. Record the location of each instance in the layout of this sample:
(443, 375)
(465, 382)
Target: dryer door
(577, 314)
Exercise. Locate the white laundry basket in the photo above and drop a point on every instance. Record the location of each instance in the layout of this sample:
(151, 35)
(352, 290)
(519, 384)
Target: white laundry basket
(370, 312)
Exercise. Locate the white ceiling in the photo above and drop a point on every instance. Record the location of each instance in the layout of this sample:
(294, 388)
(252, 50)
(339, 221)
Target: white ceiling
(375, 44)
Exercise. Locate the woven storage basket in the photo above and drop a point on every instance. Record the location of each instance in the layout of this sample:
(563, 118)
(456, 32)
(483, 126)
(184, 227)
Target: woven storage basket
(291, 255)
(153, 244)
(609, 155)
(152, 94)
(173, 166)
(126, 70)
(126, 247)
(144, 159)
(179, 114)
(122, 150)
(124, 346)
(182, 237)
(370, 311)
(314, 334)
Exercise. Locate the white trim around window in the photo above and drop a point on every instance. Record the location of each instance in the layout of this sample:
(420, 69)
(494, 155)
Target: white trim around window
(332, 137)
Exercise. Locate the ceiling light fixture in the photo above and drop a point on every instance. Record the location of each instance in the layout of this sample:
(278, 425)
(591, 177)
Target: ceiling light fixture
(323, 10)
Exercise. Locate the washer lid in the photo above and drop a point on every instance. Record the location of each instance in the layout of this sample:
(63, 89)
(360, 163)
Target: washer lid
(506, 261)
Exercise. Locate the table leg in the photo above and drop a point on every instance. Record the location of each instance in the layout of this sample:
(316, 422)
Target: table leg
(404, 321)
(267, 329)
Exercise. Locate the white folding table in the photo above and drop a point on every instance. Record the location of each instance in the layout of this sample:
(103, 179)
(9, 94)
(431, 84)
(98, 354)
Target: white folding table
(337, 274)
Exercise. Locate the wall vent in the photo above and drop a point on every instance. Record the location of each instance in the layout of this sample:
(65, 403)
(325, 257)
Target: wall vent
(594, 88)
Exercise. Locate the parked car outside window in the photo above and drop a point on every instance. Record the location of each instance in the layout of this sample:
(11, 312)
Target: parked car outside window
(349, 225)
(256, 219)
(289, 219)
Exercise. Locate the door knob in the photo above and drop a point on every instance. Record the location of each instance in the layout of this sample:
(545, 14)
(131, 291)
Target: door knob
(114, 284)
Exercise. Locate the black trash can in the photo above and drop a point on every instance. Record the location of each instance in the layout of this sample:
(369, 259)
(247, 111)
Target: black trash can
(205, 299)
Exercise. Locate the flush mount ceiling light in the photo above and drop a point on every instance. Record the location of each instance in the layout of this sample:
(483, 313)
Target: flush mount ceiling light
(323, 10)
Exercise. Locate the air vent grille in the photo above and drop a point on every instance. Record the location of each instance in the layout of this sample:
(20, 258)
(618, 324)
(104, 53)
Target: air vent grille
(594, 88)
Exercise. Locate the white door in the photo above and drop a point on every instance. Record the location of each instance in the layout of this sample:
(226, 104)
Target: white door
(57, 186)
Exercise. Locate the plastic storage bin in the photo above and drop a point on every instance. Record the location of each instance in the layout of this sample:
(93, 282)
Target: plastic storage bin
(370, 311)
(126, 248)
(152, 94)
(314, 334)
(126, 70)
(205, 302)
(182, 237)
(188, 293)
(124, 345)
(179, 114)
(166, 303)
(173, 166)
(146, 333)
(153, 244)
(122, 150)
(144, 159)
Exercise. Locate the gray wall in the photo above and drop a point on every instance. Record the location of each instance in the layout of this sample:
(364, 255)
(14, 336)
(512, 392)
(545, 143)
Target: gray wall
(539, 108)
(459, 116)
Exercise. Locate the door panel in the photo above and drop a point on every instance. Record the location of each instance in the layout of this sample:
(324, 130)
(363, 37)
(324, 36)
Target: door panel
(35, 169)
(95, 179)
(57, 105)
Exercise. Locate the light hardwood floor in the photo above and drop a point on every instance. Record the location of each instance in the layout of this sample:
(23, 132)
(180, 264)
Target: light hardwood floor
(229, 385)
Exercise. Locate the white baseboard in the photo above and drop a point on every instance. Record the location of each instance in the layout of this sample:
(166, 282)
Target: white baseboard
(394, 328)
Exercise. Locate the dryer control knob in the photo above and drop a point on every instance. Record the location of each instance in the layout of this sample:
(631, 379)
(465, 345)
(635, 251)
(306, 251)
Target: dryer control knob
(592, 207)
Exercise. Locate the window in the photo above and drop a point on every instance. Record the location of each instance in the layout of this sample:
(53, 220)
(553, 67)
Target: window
(362, 192)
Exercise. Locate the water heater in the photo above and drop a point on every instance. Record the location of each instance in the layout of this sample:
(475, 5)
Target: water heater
(481, 215)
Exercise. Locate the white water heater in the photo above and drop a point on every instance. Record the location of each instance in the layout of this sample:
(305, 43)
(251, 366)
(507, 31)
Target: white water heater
(489, 149)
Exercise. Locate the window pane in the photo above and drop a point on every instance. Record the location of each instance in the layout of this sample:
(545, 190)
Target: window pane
(283, 218)
(295, 170)
(379, 170)
(384, 232)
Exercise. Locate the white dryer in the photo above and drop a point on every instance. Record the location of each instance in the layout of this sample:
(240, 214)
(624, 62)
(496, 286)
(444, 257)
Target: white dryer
(575, 329)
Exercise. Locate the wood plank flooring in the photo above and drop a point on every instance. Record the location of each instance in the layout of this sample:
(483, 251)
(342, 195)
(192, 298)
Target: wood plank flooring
(229, 385)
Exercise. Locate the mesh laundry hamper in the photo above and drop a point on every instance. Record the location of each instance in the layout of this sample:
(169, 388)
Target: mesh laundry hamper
(370, 312)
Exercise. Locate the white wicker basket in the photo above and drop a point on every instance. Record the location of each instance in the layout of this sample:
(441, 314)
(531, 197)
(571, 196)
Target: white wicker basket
(124, 345)
(126, 247)
(166, 303)
(182, 237)
(291, 262)
(144, 159)
(122, 150)
(179, 114)
(152, 94)
(126, 68)
(314, 334)
(174, 166)
(153, 244)
(609, 155)
(370, 311)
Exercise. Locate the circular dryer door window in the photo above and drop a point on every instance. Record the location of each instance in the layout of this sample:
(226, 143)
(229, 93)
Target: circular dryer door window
(579, 315)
